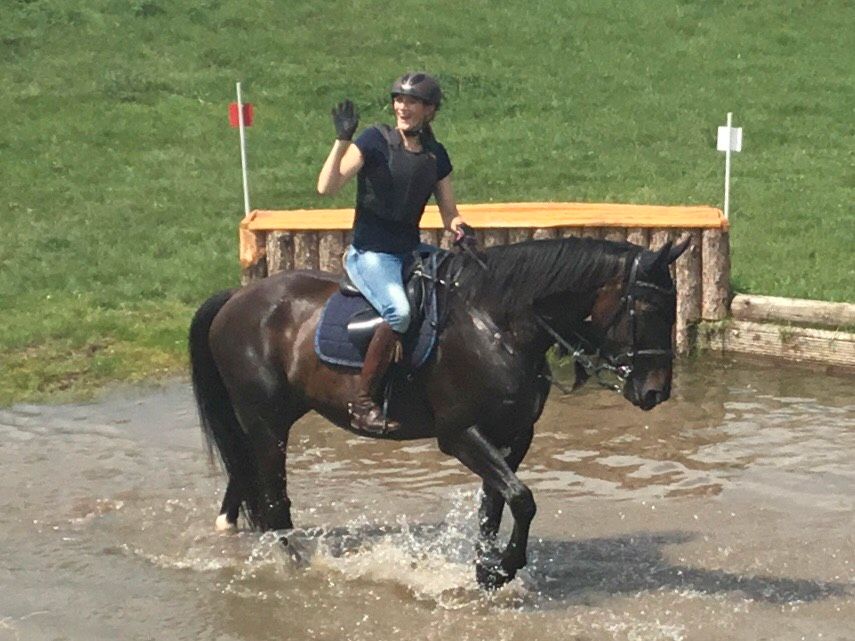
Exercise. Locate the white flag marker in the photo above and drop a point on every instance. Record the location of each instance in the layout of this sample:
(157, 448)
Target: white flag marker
(729, 140)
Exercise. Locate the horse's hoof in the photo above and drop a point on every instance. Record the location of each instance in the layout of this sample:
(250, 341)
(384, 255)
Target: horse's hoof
(222, 524)
(297, 550)
(490, 574)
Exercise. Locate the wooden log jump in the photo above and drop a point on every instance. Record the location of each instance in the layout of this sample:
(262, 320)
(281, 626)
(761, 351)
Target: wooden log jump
(793, 329)
(271, 241)
(762, 309)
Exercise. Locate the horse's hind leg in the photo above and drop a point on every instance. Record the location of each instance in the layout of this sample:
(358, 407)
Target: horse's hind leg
(266, 412)
(271, 507)
(227, 520)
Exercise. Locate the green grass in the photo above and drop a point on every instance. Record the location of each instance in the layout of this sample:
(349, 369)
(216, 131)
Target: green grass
(120, 190)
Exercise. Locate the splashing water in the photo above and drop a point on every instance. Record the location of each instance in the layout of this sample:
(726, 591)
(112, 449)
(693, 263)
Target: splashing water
(432, 562)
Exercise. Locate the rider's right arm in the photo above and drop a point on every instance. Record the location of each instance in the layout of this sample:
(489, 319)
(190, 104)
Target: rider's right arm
(343, 163)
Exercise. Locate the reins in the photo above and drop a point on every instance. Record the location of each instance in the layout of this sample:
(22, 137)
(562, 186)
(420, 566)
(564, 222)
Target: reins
(586, 360)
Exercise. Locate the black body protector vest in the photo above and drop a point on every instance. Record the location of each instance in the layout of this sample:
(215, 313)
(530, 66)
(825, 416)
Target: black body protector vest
(399, 191)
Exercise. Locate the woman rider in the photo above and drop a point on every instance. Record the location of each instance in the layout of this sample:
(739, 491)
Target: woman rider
(397, 169)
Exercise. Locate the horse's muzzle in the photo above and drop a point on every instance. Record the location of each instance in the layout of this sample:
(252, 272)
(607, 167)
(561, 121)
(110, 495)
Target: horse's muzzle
(647, 394)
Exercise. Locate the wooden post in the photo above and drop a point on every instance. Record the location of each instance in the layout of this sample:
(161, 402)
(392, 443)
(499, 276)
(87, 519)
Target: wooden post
(446, 239)
(638, 236)
(659, 237)
(543, 233)
(253, 255)
(493, 237)
(518, 235)
(280, 251)
(688, 293)
(306, 250)
(256, 271)
(715, 258)
(330, 250)
(430, 237)
(616, 234)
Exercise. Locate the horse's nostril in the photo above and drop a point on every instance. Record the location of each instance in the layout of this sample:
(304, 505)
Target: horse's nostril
(652, 397)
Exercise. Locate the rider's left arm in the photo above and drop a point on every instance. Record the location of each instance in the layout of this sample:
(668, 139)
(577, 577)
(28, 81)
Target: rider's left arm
(444, 193)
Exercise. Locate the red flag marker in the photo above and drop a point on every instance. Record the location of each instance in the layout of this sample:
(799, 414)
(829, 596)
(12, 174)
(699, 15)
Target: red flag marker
(234, 119)
(240, 117)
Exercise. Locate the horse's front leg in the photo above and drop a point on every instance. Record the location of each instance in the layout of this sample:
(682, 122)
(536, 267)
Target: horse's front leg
(472, 449)
(514, 445)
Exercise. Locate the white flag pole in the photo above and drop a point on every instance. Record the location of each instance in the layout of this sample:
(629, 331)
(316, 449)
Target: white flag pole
(729, 141)
(726, 167)
(243, 152)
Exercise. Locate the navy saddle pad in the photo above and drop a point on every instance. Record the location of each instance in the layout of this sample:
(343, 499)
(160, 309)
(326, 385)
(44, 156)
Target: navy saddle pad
(334, 346)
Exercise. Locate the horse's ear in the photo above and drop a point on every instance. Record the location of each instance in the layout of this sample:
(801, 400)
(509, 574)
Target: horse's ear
(677, 250)
(651, 261)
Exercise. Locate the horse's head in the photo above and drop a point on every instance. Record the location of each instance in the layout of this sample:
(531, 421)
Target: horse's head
(637, 317)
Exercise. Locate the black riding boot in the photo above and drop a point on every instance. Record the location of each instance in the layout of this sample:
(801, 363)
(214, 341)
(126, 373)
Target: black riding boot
(365, 414)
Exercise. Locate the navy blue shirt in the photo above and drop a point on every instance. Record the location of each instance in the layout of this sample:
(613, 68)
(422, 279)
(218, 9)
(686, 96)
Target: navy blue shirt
(371, 232)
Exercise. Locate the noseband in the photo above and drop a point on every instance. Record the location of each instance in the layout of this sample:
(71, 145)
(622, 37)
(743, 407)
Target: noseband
(620, 365)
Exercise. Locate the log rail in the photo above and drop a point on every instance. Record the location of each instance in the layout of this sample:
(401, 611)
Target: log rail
(807, 331)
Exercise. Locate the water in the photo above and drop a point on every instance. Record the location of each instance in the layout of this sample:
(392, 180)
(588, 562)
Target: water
(727, 513)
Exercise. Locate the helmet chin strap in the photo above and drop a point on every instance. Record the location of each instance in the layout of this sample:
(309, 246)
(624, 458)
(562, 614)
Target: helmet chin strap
(417, 131)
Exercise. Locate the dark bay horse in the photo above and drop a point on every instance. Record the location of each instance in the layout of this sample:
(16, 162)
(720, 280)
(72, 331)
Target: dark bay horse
(255, 371)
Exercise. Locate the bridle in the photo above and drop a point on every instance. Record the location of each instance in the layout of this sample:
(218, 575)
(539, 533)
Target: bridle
(621, 365)
(594, 362)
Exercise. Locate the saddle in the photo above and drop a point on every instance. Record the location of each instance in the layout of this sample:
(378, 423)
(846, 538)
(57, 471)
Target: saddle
(348, 320)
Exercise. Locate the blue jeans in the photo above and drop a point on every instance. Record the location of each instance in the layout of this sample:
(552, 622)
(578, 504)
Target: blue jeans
(380, 278)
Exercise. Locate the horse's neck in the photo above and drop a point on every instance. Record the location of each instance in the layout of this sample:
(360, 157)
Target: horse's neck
(534, 271)
(556, 310)
(557, 280)
(565, 312)
(563, 307)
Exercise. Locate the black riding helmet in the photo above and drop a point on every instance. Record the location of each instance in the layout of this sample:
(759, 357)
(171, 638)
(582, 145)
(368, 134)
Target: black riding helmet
(418, 85)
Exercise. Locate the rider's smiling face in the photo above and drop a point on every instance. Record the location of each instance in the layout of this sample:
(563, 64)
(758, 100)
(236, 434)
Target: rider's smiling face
(410, 112)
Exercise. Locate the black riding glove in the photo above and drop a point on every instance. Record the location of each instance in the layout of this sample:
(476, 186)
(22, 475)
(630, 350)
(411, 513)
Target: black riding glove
(345, 118)
(465, 236)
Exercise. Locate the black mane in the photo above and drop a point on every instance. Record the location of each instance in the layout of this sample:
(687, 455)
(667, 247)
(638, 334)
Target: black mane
(519, 275)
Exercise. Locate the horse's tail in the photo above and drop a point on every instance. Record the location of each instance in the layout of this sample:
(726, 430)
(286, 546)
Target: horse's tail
(216, 413)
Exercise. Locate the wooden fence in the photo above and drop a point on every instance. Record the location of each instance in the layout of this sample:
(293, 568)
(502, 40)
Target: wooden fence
(811, 332)
(271, 241)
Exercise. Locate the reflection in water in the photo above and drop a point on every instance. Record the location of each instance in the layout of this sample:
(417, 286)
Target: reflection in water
(725, 513)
